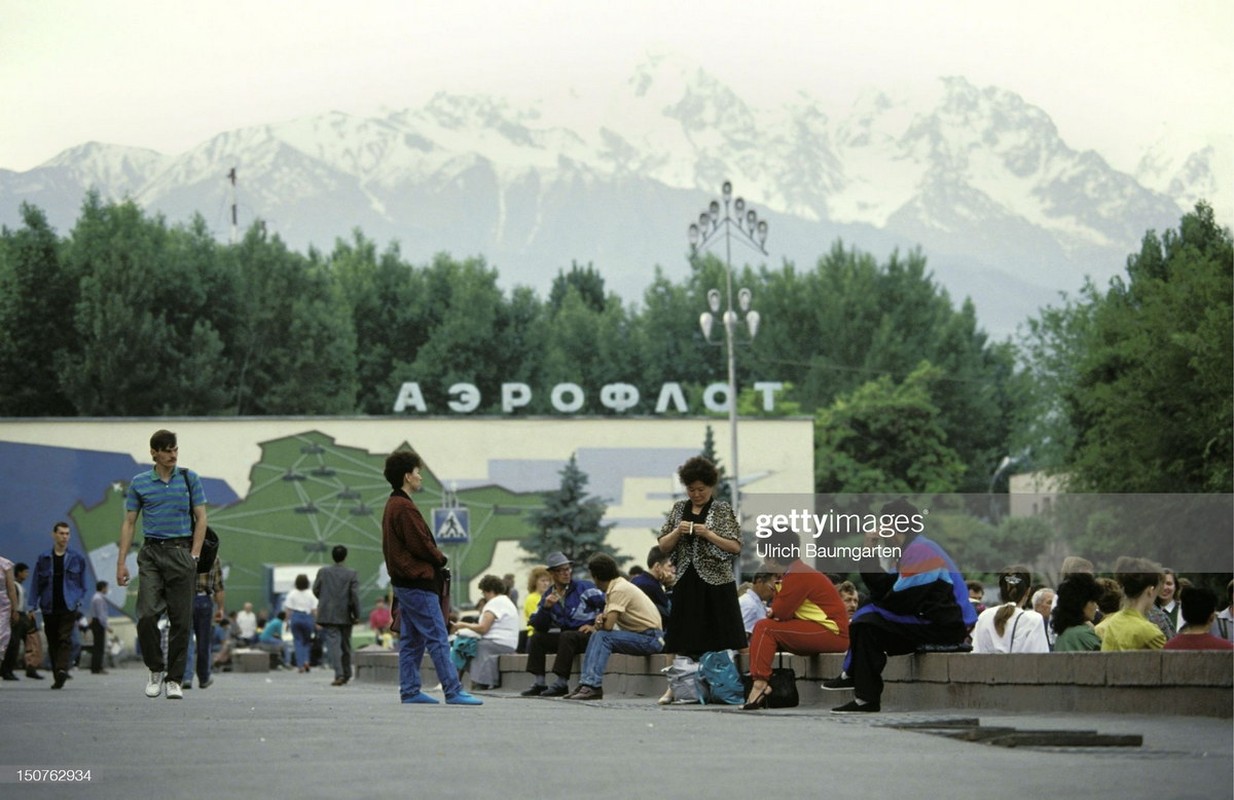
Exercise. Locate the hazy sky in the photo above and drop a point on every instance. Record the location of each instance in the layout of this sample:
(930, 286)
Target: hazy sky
(169, 75)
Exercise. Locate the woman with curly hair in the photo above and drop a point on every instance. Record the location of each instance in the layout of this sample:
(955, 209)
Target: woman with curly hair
(703, 538)
(1072, 619)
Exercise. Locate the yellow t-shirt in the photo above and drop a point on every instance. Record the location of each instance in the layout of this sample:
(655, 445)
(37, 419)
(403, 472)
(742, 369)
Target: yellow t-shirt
(529, 607)
(1129, 630)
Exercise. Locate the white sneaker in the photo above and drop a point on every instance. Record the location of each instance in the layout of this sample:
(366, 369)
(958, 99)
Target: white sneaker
(155, 687)
(174, 692)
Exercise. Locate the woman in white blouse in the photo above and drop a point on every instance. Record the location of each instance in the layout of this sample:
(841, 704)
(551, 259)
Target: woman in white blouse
(1011, 627)
(498, 632)
(301, 605)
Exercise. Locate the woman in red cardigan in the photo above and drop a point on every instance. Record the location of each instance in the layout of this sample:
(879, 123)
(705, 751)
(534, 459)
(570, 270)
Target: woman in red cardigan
(807, 614)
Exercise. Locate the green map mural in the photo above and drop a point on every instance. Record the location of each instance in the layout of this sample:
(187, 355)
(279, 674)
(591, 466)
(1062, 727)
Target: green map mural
(309, 494)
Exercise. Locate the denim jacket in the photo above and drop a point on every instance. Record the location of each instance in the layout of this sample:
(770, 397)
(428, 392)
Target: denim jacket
(74, 580)
(581, 605)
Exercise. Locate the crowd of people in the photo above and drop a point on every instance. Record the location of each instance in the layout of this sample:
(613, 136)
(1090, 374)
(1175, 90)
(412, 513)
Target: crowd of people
(685, 600)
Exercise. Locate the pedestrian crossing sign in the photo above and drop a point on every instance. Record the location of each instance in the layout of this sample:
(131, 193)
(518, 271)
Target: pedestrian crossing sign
(452, 524)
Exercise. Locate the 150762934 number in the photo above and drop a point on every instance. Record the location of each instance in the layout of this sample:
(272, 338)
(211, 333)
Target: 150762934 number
(52, 775)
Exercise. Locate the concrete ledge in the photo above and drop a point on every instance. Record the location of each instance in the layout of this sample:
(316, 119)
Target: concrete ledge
(1143, 682)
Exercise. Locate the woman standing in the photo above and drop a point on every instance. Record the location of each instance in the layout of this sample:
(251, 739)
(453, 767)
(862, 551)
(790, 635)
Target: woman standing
(703, 539)
(417, 571)
(498, 630)
(302, 605)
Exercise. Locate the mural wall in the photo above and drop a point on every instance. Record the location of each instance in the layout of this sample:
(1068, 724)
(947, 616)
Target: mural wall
(283, 492)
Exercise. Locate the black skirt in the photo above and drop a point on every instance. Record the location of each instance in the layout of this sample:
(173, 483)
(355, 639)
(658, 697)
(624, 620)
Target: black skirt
(704, 617)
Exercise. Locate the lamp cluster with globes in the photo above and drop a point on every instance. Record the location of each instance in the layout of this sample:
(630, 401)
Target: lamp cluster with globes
(733, 220)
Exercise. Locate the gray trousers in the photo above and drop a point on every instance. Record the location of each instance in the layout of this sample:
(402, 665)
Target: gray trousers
(338, 647)
(486, 666)
(166, 577)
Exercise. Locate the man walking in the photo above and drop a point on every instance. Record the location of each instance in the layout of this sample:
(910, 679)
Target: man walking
(99, 614)
(338, 593)
(208, 608)
(173, 508)
(59, 588)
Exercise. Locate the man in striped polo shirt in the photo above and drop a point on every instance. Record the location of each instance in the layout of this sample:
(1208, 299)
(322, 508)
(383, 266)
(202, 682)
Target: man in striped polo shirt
(173, 508)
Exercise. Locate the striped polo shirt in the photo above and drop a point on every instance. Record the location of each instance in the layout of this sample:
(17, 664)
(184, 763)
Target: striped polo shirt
(164, 505)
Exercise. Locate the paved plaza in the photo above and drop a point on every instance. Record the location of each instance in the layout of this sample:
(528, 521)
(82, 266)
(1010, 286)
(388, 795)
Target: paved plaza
(287, 735)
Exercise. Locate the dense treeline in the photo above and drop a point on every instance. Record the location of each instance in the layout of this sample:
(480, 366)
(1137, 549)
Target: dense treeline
(126, 315)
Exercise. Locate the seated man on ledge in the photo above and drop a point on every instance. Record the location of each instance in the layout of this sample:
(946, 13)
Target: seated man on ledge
(925, 602)
(630, 624)
(563, 622)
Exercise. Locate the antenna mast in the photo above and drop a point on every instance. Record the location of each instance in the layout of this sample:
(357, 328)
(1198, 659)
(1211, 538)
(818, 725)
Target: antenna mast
(235, 225)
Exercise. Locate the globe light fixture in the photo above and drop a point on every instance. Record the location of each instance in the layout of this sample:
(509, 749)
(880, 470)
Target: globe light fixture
(732, 221)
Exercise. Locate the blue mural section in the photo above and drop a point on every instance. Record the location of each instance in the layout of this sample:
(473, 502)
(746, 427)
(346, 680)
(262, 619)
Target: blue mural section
(41, 485)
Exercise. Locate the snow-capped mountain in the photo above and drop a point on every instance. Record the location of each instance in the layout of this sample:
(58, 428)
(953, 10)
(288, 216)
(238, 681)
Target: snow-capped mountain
(980, 179)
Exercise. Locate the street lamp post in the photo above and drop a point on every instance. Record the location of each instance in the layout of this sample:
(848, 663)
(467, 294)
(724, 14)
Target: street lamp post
(733, 221)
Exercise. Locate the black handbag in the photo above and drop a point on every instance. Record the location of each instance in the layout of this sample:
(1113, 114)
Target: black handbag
(783, 684)
(209, 547)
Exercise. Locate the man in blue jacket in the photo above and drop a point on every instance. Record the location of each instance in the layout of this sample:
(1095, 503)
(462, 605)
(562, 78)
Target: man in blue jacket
(564, 621)
(59, 588)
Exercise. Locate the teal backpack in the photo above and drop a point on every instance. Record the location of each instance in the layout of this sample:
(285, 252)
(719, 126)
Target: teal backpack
(718, 681)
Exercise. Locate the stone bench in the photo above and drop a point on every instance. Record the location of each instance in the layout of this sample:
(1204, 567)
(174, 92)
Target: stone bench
(1147, 682)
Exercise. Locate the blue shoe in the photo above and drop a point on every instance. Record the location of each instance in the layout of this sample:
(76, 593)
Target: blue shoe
(463, 699)
(422, 699)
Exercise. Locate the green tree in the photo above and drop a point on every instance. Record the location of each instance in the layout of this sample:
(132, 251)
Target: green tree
(852, 320)
(570, 522)
(886, 438)
(147, 346)
(38, 307)
(464, 332)
(1147, 368)
(295, 347)
(592, 347)
(386, 300)
(587, 281)
(724, 488)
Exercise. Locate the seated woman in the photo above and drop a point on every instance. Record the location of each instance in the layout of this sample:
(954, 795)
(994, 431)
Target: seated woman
(498, 631)
(1072, 619)
(1011, 627)
(1129, 628)
(807, 614)
(538, 582)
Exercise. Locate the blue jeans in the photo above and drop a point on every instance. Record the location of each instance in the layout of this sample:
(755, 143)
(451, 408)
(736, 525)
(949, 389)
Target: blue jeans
(422, 628)
(201, 639)
(302, 628)
(603, 644)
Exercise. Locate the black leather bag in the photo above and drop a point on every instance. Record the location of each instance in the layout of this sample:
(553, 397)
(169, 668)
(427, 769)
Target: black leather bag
(209, 547)
(783, 683)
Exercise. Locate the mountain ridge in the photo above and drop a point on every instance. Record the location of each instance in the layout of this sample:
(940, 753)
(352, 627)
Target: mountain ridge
(976, 176)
